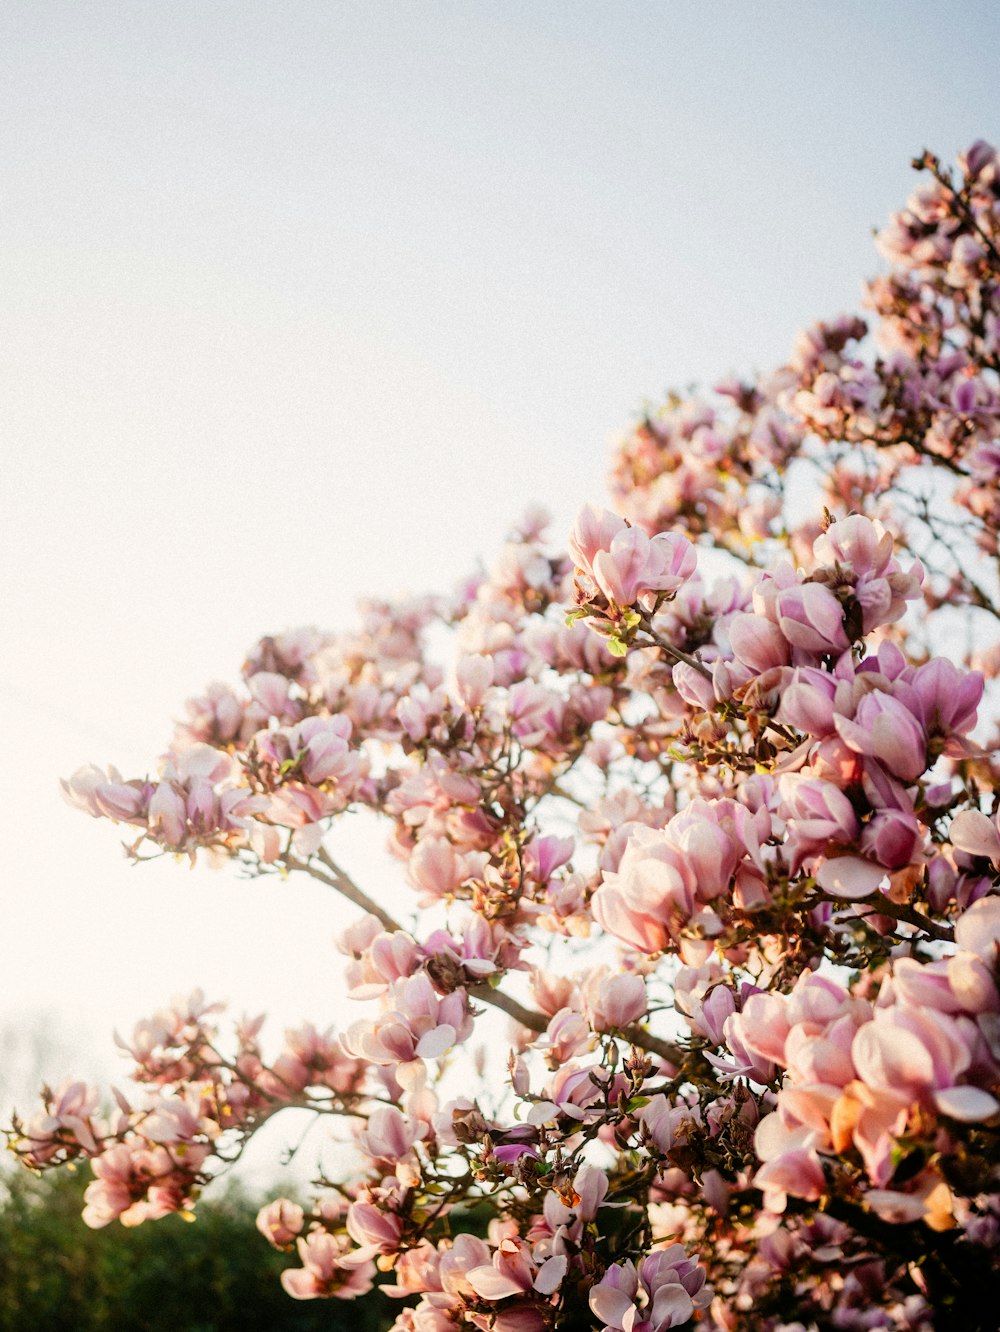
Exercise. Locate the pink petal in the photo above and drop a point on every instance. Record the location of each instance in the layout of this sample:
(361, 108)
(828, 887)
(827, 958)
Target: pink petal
(541, 1112)
(300, 1284)
(489, 1284)
(671, 1305)
(82, 1133)
(975, 834)
(978, 929)
(849, 877)
(550, 1274)
(609, 1305)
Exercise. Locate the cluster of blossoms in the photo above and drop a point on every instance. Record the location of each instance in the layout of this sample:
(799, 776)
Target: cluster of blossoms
(723, 851)
(197, 1100)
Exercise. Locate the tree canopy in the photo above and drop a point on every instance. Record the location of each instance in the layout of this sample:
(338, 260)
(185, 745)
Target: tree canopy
(706, 804)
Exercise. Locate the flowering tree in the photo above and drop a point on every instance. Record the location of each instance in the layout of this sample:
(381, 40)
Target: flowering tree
(721, 845)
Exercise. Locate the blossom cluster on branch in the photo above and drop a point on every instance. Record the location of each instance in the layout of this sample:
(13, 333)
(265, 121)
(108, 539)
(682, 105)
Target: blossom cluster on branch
(706, 808)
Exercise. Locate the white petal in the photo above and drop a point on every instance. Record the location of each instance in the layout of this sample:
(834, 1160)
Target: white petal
(899, 1208)
(435, 1042)
(970, 1105)
(306, 841)
(542, 1111)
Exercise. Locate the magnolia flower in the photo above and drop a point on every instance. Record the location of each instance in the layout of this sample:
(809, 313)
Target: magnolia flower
(389, 1134)
(623, 564)
(280, 1222)
(513, 1271)
(884, 728)
(613, 1002)
(662, 1292)
(328, 1268)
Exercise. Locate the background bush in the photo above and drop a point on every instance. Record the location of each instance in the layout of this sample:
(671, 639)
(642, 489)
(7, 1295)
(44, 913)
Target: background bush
(171, 1276)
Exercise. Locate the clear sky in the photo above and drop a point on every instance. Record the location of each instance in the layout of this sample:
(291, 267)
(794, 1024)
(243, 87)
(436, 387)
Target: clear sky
(307, 301)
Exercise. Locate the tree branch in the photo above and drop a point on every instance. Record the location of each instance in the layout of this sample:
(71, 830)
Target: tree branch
(880, 905)
(338, 878)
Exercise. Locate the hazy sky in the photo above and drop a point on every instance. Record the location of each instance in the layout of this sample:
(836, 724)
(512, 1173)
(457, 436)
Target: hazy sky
(304, 301)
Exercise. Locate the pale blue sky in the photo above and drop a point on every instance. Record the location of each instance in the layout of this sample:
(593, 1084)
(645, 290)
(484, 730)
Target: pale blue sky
(304, 301)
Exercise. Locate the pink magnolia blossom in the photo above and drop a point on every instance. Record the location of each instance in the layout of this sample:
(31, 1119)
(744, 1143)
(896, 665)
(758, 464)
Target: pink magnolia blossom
(978, 929)
(667, 878)
(513, 1272)
(884, 729)
(567, 1035)
(817, 813)
(311, 1057)
(807, 701)
(135, 1183)
(796, 1171)
(758, 643)
(389, 1135)
(280, 1222)
(662, 1292)
(613, 1002)
(926, 1053)
(464, 1255)
(416, 1271)
(864, 550)
(374, 1229)
(945, 699)
(67, 1127)
(328, 1269)
(811, 617)
(893, 838)
(416, 1024)
(623, 563)
(650, 895)
(386, 958)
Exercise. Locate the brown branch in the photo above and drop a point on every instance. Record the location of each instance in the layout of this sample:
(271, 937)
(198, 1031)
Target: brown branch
(669, 650)
(527, 1017)
(338, 878)
(635, 1035)
(880, 905)
(344, 884)
(644, 1040)
(921, 450)
(885, 906)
